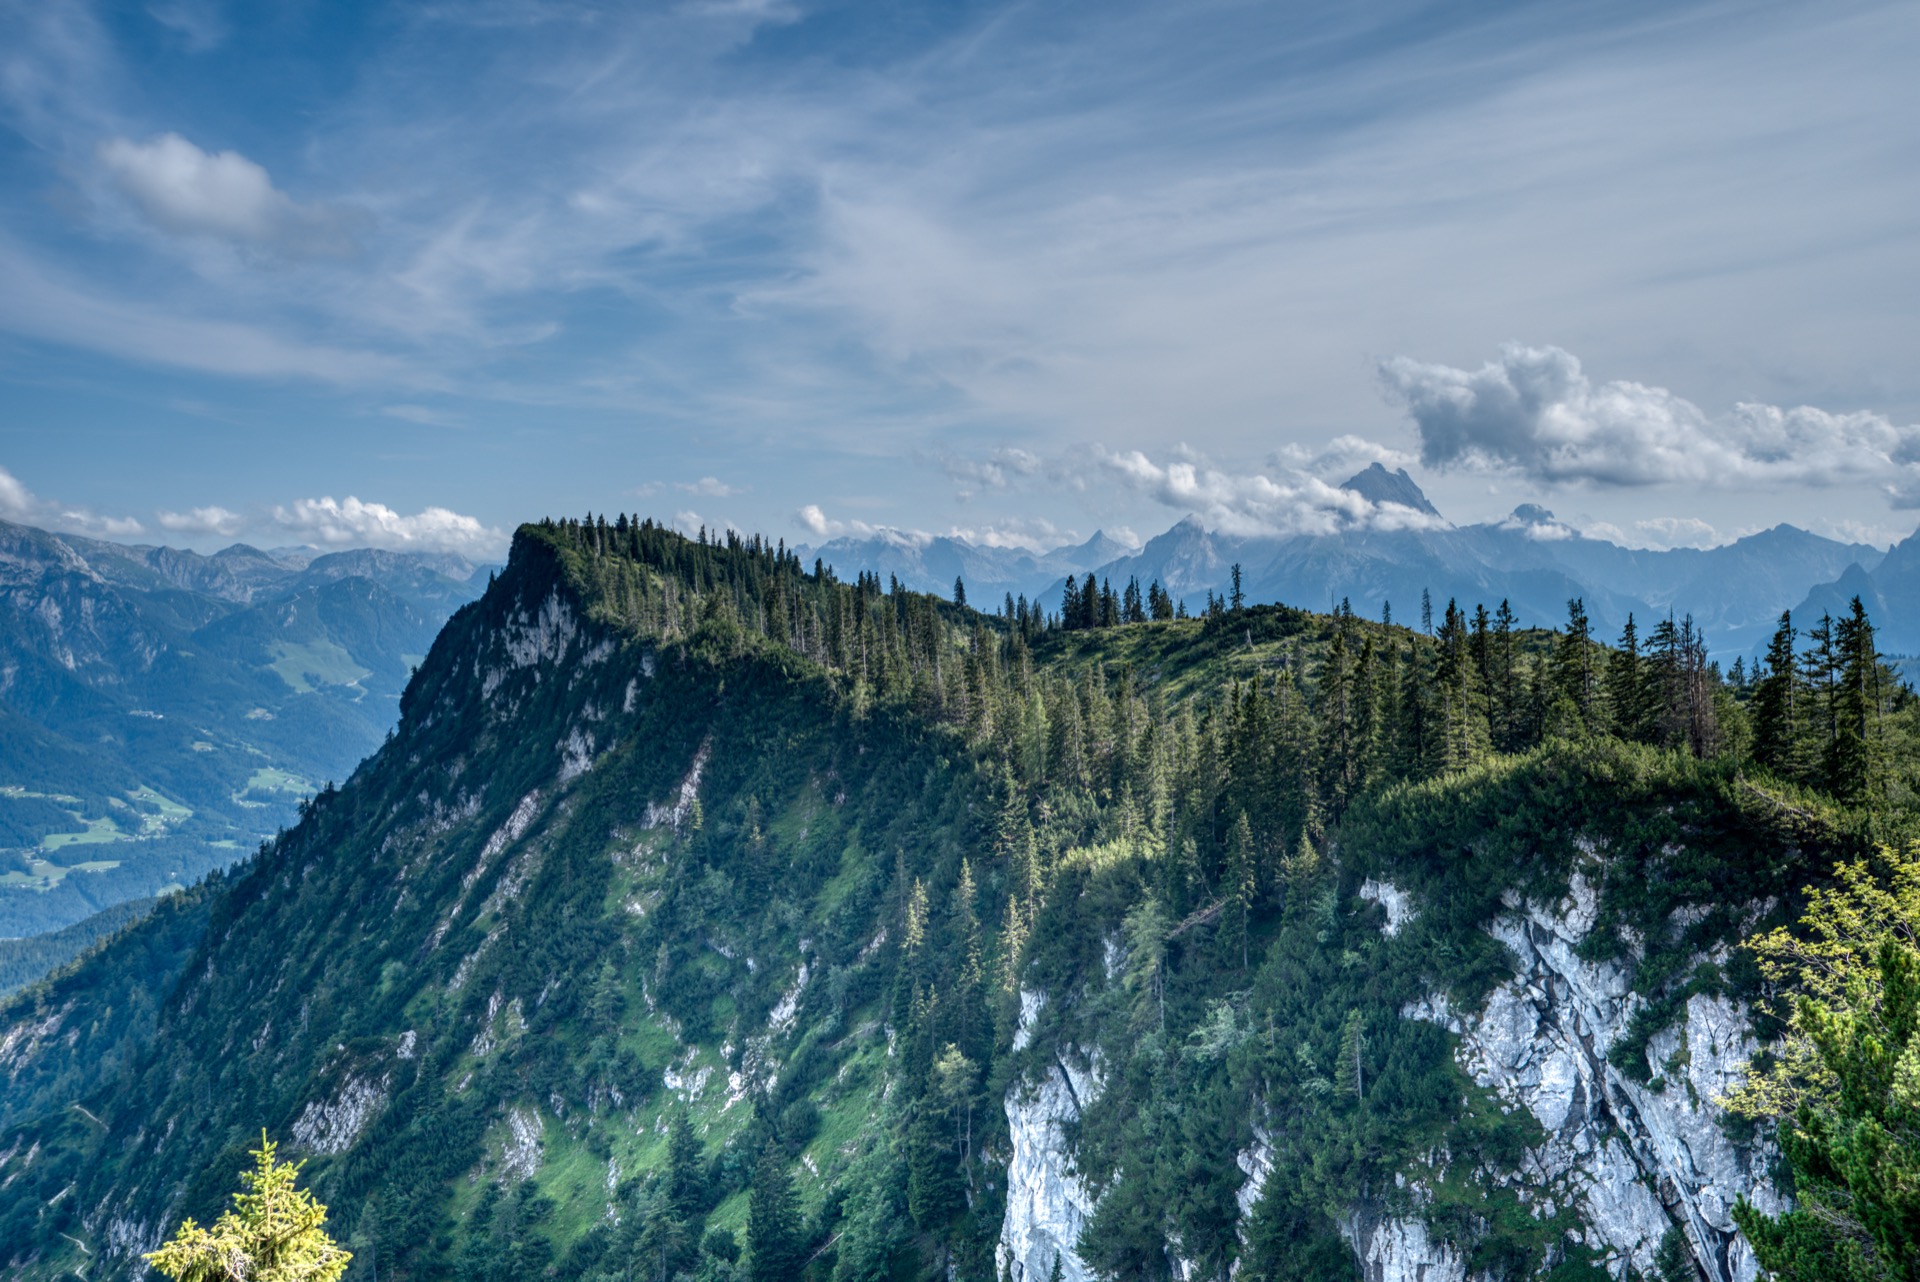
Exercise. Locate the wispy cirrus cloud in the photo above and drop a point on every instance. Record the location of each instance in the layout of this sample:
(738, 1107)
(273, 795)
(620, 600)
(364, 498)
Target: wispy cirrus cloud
(1059, 225)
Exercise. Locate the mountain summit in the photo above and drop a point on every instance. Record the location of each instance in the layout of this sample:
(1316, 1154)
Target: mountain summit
(1377, 485)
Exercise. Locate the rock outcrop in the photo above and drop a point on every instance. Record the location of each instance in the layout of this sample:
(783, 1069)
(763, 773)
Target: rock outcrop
(1634, 1160)
(1047, 1205)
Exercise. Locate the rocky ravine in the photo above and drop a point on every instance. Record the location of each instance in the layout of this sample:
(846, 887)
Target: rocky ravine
(1632, 1160)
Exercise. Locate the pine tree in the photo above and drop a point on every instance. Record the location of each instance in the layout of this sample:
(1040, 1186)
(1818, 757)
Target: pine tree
(959, 590)
(1573, 663)
(605, 1003)
(1820, 674)
(1778, 707)
(1145, 930)
(1505, 682)
(686, 1171)
(1459, 713)
(774, 1244)
(1352, 1068)
(1855, 756)
(1626, 686)
(1239, 891)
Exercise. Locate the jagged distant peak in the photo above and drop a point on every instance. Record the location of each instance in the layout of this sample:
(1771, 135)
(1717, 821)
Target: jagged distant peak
(1377, 485)
(1102, 547)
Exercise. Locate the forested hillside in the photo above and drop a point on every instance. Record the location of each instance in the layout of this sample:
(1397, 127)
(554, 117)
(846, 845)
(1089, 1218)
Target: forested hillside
(709, 915)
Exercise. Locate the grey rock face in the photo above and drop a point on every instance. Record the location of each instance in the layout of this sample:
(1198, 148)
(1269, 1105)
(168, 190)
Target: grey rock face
(1047, 1205)
(1633, 1159)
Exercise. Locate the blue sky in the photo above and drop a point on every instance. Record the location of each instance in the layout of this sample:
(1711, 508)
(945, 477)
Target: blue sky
(411, 273)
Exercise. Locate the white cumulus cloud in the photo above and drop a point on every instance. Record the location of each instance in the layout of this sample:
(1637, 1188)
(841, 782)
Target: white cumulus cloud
(351, 522)
(18, 503)
(1534, 411)
(1254, 503)
(817, 523)
(711, 487)
(185, 190)
(202, 520)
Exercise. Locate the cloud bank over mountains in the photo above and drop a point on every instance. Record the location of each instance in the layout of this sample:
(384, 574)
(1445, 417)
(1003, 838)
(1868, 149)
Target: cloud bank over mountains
(1535, 412)
(327, 523)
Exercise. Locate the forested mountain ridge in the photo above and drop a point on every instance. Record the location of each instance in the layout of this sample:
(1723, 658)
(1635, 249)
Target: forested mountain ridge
(161, 711)
(700, 902)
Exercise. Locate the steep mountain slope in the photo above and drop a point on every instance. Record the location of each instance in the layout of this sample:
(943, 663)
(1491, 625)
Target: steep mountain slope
(697, 899)
(165, 710)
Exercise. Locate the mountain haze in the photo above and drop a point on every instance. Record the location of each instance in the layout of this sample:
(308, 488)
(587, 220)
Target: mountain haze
(161, 711)
(1735, 592)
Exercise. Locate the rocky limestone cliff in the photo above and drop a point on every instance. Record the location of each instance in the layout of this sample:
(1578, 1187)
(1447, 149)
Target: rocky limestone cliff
(1631, 1160)
(1047, 1205)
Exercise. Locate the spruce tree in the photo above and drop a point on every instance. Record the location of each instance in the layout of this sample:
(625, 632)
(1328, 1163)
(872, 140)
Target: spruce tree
(1854, 756)
(1778, 706)
(686, 1170)
(274, 1230)
(774, 1244)
(1573, 663)
(1626, 686)
(1239, 891)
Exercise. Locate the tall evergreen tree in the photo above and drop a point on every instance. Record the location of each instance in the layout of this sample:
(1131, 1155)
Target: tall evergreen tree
(1573, 663)
(1459, 712)
(1626, 686)
(686, 1171)
(775, 1247)
(1856, 756)
(1778, 707)
(1505, 682)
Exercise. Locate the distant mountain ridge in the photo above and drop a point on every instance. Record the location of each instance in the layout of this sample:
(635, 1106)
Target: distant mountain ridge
(1735, 592)
(161, 710)
(932, 564)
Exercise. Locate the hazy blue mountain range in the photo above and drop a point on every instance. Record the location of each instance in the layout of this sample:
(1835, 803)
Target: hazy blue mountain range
(1735, 593)
(931, 565)
(161, 710)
